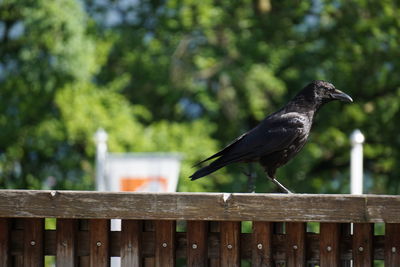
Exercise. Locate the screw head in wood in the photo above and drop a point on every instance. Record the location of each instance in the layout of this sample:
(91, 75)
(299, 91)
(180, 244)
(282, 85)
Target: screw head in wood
(295, 247)
(194, 246)
(329, 248)
(98, 244)
(394, 249)
(229, 246)
(33, 242)
(259, 246)
(164, 245)
(361, 249)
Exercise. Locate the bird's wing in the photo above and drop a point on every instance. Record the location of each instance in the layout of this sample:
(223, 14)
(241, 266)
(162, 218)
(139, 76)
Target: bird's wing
(273, 134)
(259, 143)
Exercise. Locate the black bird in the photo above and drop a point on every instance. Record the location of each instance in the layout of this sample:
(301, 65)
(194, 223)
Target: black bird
(280, 136)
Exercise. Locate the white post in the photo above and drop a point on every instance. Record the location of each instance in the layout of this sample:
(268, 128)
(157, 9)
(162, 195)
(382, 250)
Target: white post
(100, 138)
(356, 162)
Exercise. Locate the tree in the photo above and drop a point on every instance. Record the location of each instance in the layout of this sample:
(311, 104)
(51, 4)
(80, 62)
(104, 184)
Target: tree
(51, 106)
(235, 62)
(190, 76)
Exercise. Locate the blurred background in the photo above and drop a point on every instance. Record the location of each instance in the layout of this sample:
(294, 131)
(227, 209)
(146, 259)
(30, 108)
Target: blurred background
(189, 76)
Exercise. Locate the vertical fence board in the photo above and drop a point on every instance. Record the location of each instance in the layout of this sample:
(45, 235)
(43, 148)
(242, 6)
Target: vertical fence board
(99, 242)
(66, 240)
(362, 244)
(33, 242)
(392, 244)
(165, 243)
(230, 244)
(197, 246)
(329, 244)
(130, 248)
(261, 244)
(5, 238)
(296, 240)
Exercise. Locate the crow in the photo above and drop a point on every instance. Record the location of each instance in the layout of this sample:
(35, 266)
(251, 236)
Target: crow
(280, 136)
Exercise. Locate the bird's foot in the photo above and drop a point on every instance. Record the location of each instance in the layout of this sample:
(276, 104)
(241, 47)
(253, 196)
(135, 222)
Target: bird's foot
(251, 181)
(280, 186)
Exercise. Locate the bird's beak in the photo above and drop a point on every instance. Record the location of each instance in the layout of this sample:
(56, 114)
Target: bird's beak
(339, 95)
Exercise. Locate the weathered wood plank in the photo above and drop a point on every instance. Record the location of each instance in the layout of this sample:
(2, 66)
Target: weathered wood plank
(130, 245)
(362, 244)
(33, 242)
(392, 244)
(66, 242)
(196, 236)
(99, 242)
(5, 242)
(261, 244)
(296, 241)
(230, 244)
(329, 244)
(165, 243)
(200, 206)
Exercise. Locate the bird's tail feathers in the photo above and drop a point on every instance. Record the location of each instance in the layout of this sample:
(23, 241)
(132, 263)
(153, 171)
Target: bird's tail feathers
(216, 165)
(206, 170)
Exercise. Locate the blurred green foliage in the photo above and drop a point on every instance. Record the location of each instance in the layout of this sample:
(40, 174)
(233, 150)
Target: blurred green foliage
(189, 76)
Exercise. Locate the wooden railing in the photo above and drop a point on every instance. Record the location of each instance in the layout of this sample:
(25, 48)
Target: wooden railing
(198, 229)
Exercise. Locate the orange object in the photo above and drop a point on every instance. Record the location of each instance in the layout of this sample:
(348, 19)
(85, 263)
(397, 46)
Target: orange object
(132, 184)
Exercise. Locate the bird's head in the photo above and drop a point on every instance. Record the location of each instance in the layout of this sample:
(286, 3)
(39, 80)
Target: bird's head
(323, 92)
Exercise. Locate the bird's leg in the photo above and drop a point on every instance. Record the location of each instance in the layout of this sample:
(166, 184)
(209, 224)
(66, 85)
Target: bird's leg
(251, 183)
(281, 186)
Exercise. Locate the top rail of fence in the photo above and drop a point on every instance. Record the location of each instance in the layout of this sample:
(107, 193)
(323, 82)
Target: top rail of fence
(200, 206)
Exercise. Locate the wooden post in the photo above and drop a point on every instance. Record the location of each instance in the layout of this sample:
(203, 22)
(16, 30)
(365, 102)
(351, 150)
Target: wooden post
(165, 243)
(99, 242)
(329, 244)
(33, 242)
(196, 236)
(130, 246)
(392, 244)
(5, 237)
(296, 239)
(230, 244)
(261, 244)
(66, 242)
(362, 244)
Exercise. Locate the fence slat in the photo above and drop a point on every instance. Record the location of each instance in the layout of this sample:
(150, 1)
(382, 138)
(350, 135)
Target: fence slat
(329, 245)
(33, 242)
(66, 240)
(5, 238)
(296, 239)
(99, 242)
(130, 246)
(362, 244)
(165, 243)
(261, 244)
(392, 244)
(197, 232)
(230, 244)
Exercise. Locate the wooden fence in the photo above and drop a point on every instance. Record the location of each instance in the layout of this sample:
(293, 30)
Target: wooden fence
(198, 229)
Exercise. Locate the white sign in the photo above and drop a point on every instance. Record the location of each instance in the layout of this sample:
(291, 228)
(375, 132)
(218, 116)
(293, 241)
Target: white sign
(142, 172)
